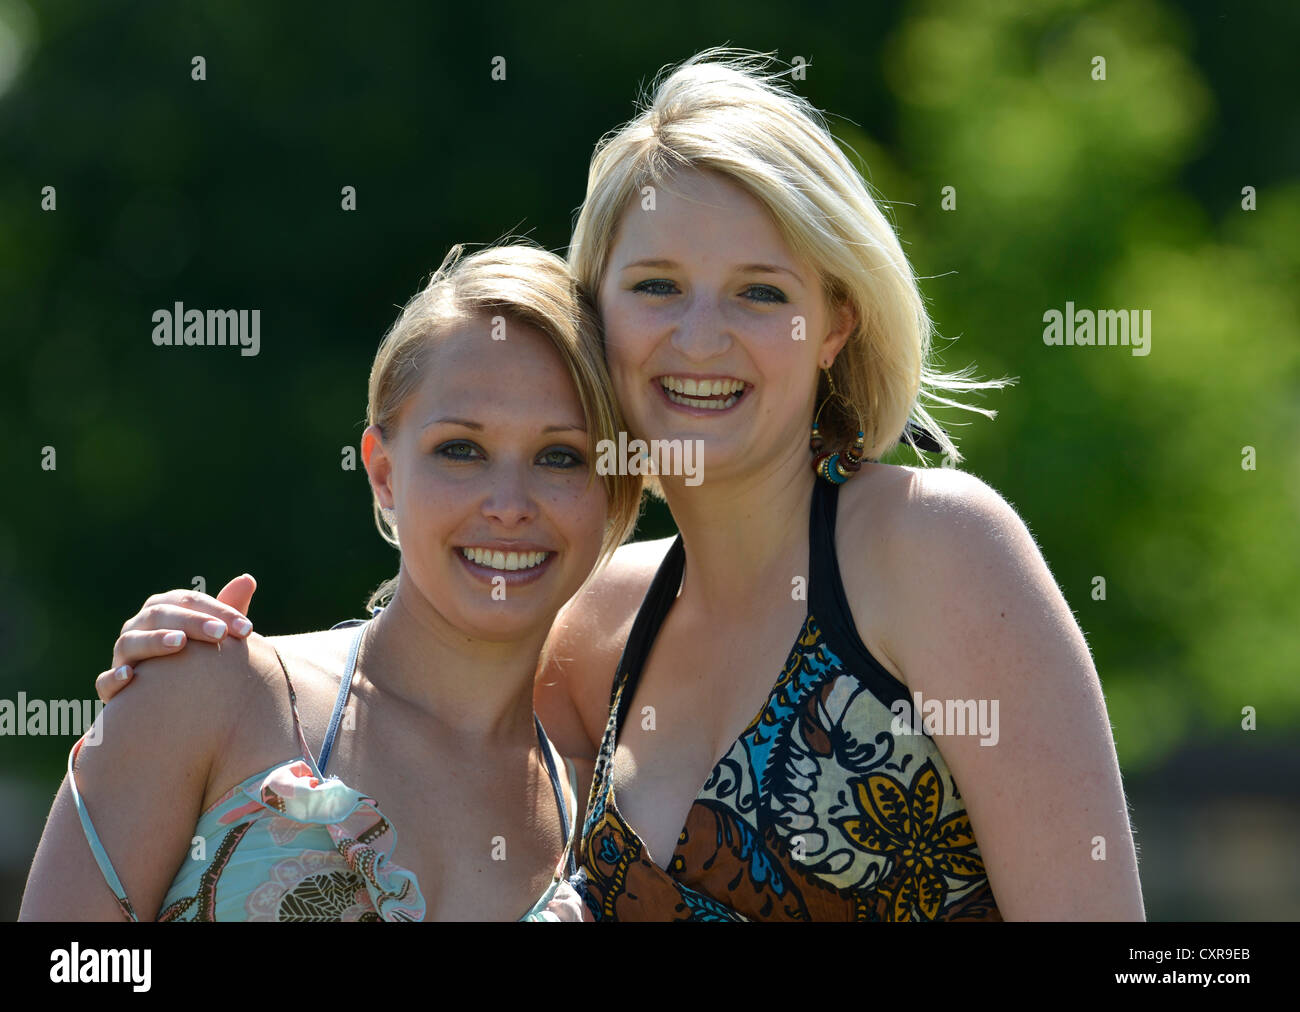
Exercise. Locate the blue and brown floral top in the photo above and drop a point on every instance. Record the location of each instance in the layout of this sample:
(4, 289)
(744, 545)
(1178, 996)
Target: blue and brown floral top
(819, 810)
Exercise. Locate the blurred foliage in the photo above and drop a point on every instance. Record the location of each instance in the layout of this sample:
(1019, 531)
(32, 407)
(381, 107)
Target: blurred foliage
(1117, 194)
(1123, 193)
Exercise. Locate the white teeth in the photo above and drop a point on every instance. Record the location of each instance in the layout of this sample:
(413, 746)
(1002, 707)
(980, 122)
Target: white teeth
(701, 388)
(508, 561)
(695, 402)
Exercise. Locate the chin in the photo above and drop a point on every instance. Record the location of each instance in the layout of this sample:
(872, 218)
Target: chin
(503, 624)
(473, 613)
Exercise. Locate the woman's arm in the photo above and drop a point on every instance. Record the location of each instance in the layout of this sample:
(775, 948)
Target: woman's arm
(979, 616)
(143, 786)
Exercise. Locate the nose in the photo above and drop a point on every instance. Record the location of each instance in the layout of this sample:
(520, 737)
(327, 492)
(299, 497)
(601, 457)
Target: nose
(701, 333)
(509, 500)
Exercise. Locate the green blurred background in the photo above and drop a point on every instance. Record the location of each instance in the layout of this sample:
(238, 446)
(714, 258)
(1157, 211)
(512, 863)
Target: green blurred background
(1125, 193)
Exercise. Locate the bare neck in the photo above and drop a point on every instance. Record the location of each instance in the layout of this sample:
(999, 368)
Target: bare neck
(475, 688)
(743, 536)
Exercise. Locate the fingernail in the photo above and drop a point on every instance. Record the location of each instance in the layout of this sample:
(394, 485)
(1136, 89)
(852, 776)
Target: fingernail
(173, 639)
(214, 628)
(243, 627)
(122, 673)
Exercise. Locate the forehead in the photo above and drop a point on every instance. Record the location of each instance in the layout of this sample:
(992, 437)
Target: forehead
(493, 338)
(499, 364)
(698, 205)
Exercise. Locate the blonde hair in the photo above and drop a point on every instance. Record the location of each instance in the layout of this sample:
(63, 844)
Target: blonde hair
(527, 285)
(726, 110)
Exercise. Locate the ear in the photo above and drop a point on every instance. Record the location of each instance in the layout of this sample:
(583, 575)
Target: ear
(844, 320)
(378, 464)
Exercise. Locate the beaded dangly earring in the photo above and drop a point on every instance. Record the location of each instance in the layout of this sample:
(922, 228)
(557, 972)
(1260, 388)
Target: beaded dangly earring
(841, 465)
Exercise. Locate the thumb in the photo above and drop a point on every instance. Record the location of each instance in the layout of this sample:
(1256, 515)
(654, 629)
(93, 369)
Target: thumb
(238, 593)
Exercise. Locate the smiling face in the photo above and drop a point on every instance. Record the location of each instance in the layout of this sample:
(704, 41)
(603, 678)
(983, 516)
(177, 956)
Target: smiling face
(487, 472)
(699, 302)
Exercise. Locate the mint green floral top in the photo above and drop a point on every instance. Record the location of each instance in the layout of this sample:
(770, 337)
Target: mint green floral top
(290, 844)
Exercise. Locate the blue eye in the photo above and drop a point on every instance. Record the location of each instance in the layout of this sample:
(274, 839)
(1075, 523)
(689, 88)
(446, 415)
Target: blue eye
(561, 457)
(446, 450)
(758, 293)
(770, 294)
(645, 286)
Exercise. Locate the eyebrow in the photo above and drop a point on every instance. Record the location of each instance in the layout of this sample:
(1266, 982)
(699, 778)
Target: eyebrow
(744, 268)
(478, 427)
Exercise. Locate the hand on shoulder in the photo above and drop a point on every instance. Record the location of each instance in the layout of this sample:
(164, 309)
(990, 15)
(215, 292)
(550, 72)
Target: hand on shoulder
(191, 699)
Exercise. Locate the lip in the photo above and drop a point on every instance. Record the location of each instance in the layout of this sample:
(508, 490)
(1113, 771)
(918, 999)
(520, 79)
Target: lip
(516, 578)
(700, 412)
(507, 546)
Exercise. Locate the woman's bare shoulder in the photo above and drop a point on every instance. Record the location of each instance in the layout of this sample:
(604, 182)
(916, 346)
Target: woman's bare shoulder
(176, 718)
(234, 695)
(613, 595)
(908, 538)
(591, 630)
(212, 680)
(322, 652)
(911, 505)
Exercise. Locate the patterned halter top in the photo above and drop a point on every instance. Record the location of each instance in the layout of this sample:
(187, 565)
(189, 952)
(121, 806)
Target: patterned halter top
(818, 811)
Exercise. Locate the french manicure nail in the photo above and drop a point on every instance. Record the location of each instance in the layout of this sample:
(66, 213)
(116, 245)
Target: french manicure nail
(173, 639)
(243, 627)
(214, 628)
(122, 673)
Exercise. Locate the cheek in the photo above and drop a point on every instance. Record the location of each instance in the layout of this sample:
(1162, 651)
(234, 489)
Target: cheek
(582, 511)
(782, 351)
(621, 360)
(629, 333)
(776, 332)
(428, 499)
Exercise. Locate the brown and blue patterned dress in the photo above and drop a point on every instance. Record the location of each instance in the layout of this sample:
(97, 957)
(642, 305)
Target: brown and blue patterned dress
(819, 811)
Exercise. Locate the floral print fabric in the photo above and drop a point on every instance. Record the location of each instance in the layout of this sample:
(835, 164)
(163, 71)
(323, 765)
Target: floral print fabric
(820, 810)
(288, 844)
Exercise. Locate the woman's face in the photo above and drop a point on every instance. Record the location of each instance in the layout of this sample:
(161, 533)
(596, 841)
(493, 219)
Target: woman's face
(703, 289)
(487, 471)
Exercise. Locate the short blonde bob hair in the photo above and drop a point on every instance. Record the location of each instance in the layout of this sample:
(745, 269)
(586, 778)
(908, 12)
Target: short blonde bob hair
(727, 111)
(527, 285)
